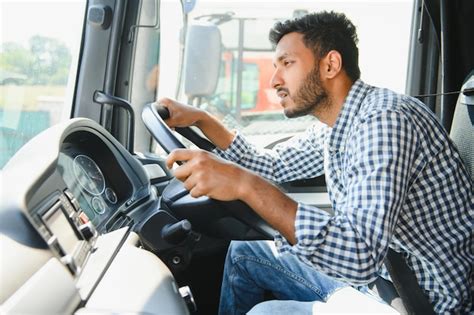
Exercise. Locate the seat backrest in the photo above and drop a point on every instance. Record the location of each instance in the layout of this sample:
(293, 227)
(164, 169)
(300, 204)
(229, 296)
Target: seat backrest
(462, 128)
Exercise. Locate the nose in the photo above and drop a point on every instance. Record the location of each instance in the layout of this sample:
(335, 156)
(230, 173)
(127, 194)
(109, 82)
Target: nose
(276, 79)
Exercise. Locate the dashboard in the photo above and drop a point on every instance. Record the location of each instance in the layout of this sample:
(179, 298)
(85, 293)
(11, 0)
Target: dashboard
(93, 223)
(66, 228)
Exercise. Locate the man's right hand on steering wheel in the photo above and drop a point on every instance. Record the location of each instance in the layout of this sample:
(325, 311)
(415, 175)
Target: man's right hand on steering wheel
(182, 115)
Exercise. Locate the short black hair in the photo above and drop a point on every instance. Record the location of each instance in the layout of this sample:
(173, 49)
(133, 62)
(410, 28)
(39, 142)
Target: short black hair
(322, 32)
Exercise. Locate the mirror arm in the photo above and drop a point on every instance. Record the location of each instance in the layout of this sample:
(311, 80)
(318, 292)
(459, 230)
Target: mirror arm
(103, 98)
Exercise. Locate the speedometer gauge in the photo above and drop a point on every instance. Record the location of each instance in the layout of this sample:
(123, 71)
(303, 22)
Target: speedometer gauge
(89, 175)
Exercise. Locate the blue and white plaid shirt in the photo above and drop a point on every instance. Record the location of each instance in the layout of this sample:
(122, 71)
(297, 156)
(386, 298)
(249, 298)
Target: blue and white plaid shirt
(395, 180)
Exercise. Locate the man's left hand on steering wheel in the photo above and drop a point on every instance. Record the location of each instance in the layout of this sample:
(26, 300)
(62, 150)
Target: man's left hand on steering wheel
(205, 174)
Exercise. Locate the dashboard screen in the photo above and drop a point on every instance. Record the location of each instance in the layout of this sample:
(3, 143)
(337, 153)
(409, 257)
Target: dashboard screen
(60, 227)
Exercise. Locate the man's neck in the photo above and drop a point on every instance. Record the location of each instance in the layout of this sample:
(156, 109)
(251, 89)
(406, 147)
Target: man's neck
(337, 90)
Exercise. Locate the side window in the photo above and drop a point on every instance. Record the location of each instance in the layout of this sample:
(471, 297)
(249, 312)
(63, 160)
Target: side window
(145, 65)
(170, 50)
(37, 68)
(165, 78)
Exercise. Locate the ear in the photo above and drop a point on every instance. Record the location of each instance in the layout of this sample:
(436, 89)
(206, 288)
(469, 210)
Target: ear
(331, 64)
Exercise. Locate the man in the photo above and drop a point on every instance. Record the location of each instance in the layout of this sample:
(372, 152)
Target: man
(394, 179)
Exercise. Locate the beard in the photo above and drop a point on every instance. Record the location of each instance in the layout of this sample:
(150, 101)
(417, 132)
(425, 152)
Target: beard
(310, 97)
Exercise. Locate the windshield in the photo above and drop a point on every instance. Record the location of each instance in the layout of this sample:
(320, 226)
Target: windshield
(38, 62)
(243, 98)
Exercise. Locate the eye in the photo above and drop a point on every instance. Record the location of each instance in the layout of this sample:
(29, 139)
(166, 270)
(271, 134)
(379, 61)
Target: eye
(286, 63)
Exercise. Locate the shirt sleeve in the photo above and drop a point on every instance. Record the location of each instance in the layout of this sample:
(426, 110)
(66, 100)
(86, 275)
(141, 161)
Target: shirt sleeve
(351, 245)
(298, 158)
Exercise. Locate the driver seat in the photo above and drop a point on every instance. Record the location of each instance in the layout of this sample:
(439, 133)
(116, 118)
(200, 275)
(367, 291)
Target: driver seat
(462, 130)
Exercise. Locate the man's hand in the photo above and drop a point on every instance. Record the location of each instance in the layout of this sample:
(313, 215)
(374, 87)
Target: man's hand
(182, 115)
(204, 174)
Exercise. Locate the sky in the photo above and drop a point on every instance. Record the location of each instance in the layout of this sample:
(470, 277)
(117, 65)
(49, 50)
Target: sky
(19, 20)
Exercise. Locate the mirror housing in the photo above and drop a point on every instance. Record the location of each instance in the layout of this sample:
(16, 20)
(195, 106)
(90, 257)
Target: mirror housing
(202, 58)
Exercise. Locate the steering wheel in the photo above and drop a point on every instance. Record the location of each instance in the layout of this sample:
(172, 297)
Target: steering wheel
(223, 219)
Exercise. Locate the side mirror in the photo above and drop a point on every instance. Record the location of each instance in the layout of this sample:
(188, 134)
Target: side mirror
(201, 60)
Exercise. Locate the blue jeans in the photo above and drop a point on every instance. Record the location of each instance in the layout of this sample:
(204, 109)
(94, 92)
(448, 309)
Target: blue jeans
(254, 267)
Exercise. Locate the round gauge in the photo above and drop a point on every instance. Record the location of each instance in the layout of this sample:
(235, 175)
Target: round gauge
(98, 205)
(110, 195)
(89, 175)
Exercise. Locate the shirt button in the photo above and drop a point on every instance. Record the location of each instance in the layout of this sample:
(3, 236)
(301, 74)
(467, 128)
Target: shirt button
(278, 243)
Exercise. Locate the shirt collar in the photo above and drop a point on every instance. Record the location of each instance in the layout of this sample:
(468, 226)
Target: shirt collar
(346, 117)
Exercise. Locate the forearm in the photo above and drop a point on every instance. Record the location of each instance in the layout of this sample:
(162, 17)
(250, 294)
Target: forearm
(215, 130)
(298, 158)
(271, 204)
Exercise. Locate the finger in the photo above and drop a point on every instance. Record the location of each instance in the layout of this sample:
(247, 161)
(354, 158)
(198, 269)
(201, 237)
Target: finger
(179, 155)
(164, 102)
(198, 185)
(167, 104)
(185, 155)
(196, 192)
(190, 182)
(183, 172)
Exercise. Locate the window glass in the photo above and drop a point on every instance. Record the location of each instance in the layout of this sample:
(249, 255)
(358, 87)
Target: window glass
(247, 102)
(37, 67)
(144, 80)
(171, 28)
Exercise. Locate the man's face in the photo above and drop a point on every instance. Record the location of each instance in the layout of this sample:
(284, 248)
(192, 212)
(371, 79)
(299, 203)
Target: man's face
(297, 78)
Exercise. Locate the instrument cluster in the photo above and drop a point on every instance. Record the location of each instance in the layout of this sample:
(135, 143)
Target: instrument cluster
(87, 182)
(95, 177)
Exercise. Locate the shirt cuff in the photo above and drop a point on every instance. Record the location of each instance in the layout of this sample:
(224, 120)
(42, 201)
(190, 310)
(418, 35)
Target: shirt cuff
(236, 150)
(309, 222)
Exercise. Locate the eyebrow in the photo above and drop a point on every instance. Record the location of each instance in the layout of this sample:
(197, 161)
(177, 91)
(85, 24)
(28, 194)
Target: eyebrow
(281, 57)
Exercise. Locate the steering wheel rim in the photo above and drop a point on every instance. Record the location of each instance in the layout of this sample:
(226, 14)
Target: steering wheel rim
(236, 208)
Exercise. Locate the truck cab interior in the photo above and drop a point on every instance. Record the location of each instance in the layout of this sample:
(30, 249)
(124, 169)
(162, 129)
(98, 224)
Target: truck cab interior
(92, 220)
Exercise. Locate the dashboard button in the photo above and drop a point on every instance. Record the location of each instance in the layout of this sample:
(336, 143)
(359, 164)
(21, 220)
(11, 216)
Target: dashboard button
(88, 231)
(83, 218)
